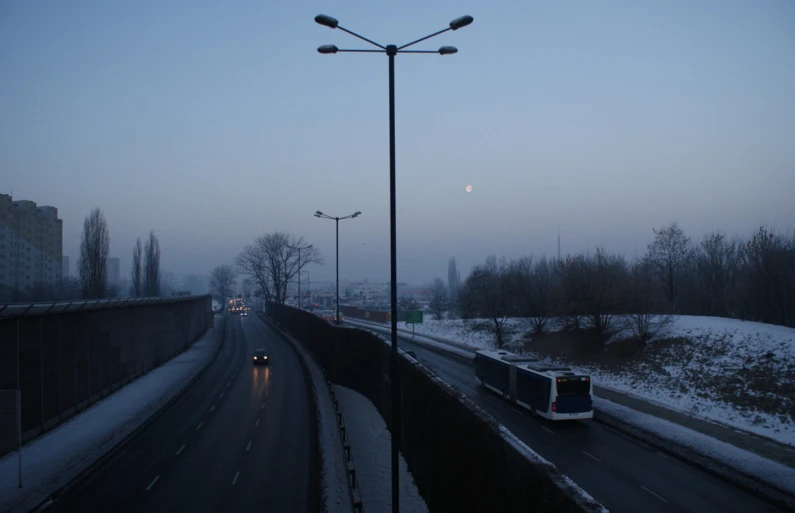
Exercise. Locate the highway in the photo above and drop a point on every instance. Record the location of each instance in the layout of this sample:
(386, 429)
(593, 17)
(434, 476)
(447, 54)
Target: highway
(241, 439)
(624, 474)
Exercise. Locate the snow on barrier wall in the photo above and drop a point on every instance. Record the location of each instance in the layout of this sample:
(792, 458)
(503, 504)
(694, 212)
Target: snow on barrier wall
(66, 356)
(460, 457)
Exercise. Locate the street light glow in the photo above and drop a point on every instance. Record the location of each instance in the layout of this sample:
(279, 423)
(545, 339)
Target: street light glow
(326, 49)
(456, 24)
(330, 22)
(448, 50)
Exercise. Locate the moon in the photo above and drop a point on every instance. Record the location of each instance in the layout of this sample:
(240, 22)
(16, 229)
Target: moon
(469, 188)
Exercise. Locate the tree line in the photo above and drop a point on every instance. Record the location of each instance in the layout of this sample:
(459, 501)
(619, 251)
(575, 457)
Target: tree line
(744, 278)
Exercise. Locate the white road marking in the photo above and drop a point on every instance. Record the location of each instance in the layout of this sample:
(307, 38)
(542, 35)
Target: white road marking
(152, 483)
(248, 446)
(237, 474)
(547, 429)
(212, 408)
(200, 425)
(227, 385)
(665, 501)
(256, 423)
(262, 407)
(591, 455)
(222, 395)
(181, 449)
(664, 455)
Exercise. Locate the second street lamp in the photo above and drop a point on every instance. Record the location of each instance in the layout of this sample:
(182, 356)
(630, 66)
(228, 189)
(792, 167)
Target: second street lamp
(391, 51)
(299, 269)
(321, 215)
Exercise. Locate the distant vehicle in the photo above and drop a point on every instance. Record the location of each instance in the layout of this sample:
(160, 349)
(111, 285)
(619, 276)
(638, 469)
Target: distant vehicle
(244, 313)
(260, 357)
(548, 390)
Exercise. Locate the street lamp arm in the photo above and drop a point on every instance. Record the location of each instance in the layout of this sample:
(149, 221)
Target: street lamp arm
(418, 51)
(354, 34)
(362, 51)
(424, 38)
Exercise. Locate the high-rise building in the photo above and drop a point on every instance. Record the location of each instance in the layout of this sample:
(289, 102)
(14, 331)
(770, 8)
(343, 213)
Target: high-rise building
(64, 266)
(113, 270)
(31, 244)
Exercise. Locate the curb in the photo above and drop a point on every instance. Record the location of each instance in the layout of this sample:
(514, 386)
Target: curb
(86, 473)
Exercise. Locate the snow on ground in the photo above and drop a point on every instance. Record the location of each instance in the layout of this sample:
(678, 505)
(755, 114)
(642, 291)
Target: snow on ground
(737, 373)
(334, 472)
(370, 446)
(768, 471)
(53, 459)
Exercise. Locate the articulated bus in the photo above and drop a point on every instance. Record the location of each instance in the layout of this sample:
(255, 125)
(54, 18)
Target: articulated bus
(548, 390)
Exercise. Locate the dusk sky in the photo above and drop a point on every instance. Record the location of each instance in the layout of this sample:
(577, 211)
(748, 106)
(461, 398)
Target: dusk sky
(215, 122)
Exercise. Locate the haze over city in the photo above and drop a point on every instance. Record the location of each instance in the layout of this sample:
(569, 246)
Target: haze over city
(212, 124)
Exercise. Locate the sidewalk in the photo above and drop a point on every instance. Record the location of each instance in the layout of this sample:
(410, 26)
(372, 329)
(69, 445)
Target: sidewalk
(762, 447)
(51, 461)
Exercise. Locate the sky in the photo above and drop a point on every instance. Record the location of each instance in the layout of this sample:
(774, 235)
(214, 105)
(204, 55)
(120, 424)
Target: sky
(212, 123)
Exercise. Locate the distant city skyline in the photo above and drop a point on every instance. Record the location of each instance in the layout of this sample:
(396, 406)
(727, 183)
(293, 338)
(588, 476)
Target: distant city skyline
(606, 120)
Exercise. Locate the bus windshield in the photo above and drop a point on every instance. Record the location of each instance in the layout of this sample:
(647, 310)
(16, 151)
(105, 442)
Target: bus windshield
(574, 386)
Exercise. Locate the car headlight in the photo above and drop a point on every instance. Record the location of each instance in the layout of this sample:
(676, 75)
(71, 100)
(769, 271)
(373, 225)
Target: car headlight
(255, 357)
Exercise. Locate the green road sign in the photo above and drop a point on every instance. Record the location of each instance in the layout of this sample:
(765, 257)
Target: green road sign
(414, 317)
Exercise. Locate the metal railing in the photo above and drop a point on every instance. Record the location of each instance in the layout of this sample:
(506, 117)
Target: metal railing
(14, 310)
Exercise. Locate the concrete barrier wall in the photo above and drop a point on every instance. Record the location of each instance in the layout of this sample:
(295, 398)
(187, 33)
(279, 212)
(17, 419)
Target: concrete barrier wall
(64, 362)
(460, 458)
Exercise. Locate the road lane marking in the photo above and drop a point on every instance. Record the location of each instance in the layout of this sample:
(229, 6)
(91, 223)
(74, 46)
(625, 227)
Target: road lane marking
(200, 425)
(248, 446)
(237, 474)
(212, 408)
(256, 423)
(227, 385)
(547, 429)
(664, 455)
(180, 449)
(262, 407)
(222, 395)
(591, 456)
(665, 501)
(152, 483)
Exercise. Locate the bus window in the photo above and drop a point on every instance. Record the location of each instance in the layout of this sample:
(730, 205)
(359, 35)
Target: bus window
(573, 386)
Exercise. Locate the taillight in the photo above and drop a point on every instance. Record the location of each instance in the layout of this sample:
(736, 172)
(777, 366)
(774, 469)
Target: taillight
(554, 407)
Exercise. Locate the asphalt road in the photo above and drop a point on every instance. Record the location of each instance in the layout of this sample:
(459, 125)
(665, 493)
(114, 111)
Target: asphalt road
(241, 439)
(624, 474)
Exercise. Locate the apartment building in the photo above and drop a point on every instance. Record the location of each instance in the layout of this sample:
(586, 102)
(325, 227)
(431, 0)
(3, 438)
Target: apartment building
(31, 244)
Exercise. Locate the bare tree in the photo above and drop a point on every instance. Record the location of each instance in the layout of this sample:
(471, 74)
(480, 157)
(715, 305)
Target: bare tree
(532, 283)
(438, 299)
(668, 254)
(222, 282)
(406, 304)
(716, 261)
(151, 274)
(453, 283)
(137, 270)
(769, 277)
(272, 263)
(94, 246)
(643, 302)
(486, 295)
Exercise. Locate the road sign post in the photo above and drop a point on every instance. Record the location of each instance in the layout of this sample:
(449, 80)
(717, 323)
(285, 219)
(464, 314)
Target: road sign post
(414, 317)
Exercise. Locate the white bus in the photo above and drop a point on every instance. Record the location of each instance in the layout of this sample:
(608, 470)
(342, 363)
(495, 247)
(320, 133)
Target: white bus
(548, 390)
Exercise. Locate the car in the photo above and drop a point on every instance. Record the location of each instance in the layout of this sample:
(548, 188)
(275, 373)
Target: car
(260, 357)
(244, 313)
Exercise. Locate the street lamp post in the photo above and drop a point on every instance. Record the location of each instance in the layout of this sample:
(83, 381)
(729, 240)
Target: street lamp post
(391, 51)
(299, 270)
(321, 215)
